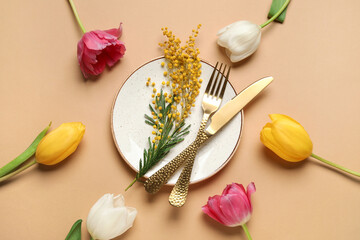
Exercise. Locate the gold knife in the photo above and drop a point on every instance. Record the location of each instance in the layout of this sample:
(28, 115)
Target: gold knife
(222, 116)
(178, 195)
(235, 105)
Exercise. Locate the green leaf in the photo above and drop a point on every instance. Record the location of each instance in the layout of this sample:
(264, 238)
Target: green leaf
(275, 7)
(152, 109)
(29, 152)
(149, 120)
(75, 231)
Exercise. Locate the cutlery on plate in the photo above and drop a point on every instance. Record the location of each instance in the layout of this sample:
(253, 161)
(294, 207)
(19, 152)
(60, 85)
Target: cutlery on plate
(210, 103)
(178, 195)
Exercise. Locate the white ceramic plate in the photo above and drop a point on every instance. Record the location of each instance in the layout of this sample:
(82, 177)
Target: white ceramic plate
(130, 132)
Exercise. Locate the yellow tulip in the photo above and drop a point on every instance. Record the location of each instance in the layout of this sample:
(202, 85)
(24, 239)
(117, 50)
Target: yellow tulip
(287, 138)
(59, 143)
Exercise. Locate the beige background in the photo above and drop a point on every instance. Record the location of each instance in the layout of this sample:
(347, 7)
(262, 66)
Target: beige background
(313, 57)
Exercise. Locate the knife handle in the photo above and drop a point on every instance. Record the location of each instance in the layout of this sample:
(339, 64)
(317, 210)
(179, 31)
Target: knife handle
(158, 179)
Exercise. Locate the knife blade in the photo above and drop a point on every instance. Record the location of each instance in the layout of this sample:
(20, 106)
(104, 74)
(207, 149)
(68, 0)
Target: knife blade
(235, 105)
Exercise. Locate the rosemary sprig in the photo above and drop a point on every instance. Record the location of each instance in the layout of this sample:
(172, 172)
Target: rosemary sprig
(168, 134)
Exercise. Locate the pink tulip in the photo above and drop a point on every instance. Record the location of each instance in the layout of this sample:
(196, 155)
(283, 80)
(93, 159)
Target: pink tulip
(96, 49)
(233, 208)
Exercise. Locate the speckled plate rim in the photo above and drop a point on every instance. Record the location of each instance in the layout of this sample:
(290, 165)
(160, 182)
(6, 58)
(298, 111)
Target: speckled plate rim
(132, 167)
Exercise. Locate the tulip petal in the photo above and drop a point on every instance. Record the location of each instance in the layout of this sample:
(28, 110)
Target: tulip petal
(224, 29)
(131, 215)
(100, 64)
(276, 116)
(237, 58)
(239, 190)
(114, 53)
(234, 188)
(226, 189)
(213, 210)
(268, 140)
(293, 139)
(250, 190)
(94, 40)
(235, 209)
(109, 223)
(119, 201)
(116, 32)
(122, 219)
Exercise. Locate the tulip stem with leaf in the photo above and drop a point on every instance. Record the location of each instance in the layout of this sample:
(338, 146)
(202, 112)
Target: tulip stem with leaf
(290, 141)
(26, 166)
(49, 149)
(276, 15)
(13, 167)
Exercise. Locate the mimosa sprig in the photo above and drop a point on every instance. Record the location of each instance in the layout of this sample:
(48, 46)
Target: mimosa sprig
(166, 135)
(173, 104)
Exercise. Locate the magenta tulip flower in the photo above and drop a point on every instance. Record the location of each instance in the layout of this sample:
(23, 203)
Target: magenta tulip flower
(233, 208)
(98, 48)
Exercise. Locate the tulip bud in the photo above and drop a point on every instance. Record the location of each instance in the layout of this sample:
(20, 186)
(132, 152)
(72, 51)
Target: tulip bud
(287, 138)
(109, 217)
(59, 143)
(241, 39)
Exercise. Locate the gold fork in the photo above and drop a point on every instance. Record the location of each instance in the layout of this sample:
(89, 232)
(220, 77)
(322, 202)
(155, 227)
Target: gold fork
(210, 104)
(211, 101)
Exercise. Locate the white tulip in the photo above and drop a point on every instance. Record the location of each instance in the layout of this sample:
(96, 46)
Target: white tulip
(109, 217)
(241, 39)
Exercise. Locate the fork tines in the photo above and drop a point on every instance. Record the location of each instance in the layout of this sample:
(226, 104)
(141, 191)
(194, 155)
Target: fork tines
(217, 83)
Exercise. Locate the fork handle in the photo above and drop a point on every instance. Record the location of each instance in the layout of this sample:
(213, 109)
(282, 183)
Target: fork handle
(179, 193)
(158, 179)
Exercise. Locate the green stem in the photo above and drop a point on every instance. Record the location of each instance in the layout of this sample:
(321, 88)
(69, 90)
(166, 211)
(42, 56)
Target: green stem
(336, 165)
(77, 16)
(91, 238)
(246, 230)
(132, 183)
(17, 171)
(276, 15)
(8, 168)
